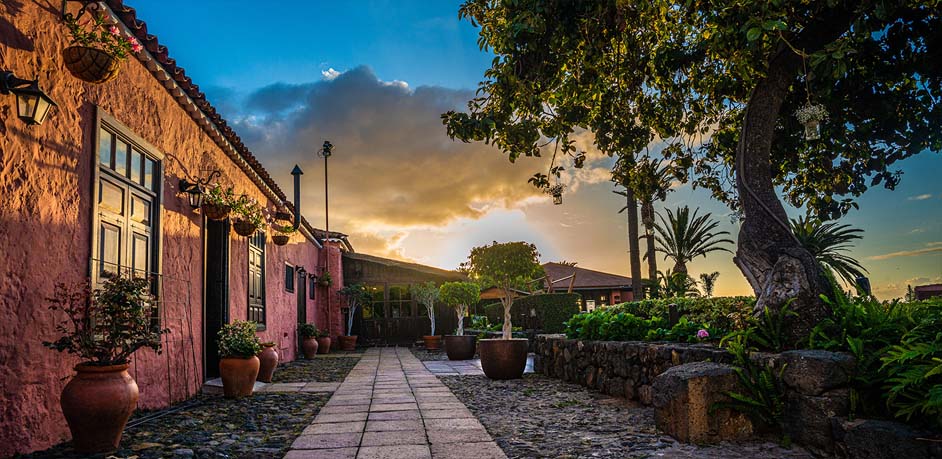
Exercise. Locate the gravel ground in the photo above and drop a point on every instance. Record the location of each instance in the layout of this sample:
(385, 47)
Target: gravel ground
(539, 417)
(256, 427)
(426, 355)
(323, 369)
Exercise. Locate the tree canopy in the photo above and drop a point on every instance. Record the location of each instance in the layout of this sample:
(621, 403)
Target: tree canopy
(682, 73)
(507, 266)
(460, 295)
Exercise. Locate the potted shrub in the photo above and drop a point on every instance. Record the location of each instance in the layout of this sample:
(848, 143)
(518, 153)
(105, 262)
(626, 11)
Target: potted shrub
(323, 342)
(217, 203)
(268, 360)
(308, 334)
(460, 295)
(247, 216)
(356, 295)
(282, 233)
(510, 267)
(103, 328)
(238, 347)
(427, 294)
(97, 49)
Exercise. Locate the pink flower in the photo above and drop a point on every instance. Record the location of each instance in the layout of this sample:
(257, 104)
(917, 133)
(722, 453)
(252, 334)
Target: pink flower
(703, 334)
(114, 30)
(137, 47)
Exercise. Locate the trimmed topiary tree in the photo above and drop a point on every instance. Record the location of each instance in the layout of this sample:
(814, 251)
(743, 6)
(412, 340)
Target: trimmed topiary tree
(460, 295)
(509, 266)
(427, 294)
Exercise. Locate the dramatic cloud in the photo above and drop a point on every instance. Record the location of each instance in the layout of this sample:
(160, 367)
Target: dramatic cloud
(932, 248)
(393, 167)
(921, 197)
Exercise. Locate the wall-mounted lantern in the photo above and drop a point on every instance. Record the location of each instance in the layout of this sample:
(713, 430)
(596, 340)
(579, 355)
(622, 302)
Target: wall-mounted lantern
(195, 188)
(32, 104)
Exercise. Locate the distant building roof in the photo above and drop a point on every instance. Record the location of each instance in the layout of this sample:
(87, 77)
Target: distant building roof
(927, 291)
(406, 265)
(585, 279)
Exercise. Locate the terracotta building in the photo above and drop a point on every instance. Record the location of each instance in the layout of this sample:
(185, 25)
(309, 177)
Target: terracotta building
(97, 186)
(597, 288)
(924, 292)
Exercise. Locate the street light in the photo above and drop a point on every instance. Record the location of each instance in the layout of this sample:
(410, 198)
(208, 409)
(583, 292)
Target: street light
(32, 104)
(325, 152)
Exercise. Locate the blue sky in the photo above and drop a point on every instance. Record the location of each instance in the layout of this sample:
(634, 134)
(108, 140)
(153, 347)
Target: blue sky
(400, 188)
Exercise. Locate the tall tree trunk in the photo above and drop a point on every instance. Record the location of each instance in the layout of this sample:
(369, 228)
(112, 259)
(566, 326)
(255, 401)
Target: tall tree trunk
(647, 212)
(634, 249)
(777, 267)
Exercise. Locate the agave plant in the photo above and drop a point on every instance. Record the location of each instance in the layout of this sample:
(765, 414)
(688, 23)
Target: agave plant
(826, 242)
(684, 236)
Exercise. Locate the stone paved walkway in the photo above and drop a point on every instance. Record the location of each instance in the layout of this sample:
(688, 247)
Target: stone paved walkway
(391, 406)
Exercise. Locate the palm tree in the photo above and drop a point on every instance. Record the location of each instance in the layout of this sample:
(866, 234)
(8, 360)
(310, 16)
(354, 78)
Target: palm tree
(682, 237)
(675, 284)
(825, 241)
(708, 281)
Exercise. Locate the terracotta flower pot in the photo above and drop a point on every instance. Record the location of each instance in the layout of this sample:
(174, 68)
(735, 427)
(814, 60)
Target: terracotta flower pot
(432, 343)
(459, 347)
(216, 212)
(323, 345)
(238, 375)
(503, 358)
(97, 403)
(309, 347)
(244, 228)
(90, 64)
(268, 360)
(348, 343)
(279, 239)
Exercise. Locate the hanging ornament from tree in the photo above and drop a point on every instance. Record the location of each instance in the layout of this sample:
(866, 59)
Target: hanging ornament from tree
(556, 191)
(811, 116)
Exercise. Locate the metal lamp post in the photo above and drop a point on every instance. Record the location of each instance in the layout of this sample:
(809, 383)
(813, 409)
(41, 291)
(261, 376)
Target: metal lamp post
(325, 152)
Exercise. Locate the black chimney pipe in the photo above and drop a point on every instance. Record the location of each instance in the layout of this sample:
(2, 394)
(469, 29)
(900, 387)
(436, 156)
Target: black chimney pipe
(297, 173)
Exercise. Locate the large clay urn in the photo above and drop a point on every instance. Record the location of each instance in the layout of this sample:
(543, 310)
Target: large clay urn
(503, 358)
(432, 343)
(97, 403)
(268, 360)
(459, 347)
(309, 347)
(238, 375)
(348, 343)
(323, 345)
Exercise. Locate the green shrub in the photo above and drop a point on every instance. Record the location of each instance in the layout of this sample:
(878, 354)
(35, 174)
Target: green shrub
(552, 310)
(611, 325)
(722, 313)
(685, 331)
(238, 340)
(914, 372)
(307, 330)
(494, 313)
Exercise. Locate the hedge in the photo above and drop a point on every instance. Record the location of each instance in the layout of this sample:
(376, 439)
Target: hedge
(552, 311)
(725, 312)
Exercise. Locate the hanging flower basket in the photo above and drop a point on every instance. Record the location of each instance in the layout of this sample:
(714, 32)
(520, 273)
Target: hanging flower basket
(279, 239)
(282, 233)
(97, 48)
(244, 227)
(90, 64)
(217, 212)
(556, 191)
(810, 116)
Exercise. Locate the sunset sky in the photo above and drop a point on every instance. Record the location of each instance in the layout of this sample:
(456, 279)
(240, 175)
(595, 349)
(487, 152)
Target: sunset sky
(374, 77)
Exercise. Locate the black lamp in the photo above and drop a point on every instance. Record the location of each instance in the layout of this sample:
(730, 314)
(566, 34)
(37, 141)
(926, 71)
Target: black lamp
(32, 104)
(194, 193)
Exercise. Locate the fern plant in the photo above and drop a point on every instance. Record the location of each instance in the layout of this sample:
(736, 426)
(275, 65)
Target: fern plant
(767, 332)
(914, 369)
(763, 396)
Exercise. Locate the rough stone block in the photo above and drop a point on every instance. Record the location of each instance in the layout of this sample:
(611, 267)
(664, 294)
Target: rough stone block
(683, 396)
(871, 439)
(812, 372)
(808, 418)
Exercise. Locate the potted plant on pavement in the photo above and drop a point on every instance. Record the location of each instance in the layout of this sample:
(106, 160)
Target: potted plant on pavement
(97, 49)
(103, 328)
(308, 334)
(460, 295)
(509, 266)
(427, 294)
(238, 347)
(323, 342)
(268, 360)
(217, 203)
(356, 296)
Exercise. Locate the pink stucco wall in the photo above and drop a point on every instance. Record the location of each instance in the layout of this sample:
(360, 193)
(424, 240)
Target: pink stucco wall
(46, 175)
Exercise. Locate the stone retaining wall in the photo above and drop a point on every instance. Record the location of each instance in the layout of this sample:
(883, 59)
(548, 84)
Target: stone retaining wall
(817, 396)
